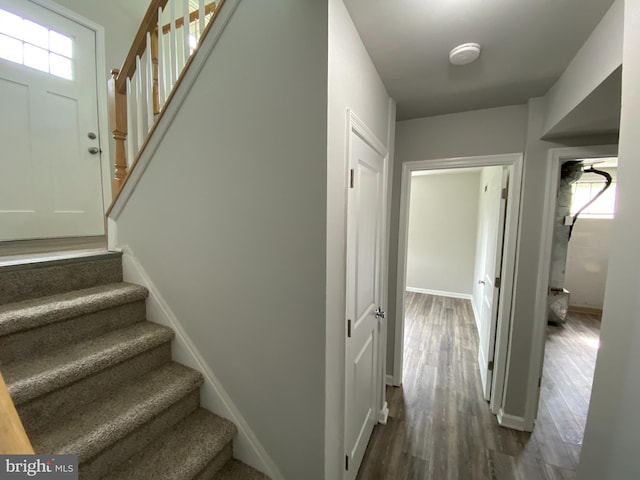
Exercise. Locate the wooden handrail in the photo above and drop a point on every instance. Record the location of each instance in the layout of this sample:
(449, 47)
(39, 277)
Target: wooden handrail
(149, 23)
(193, 16)
(13, 438)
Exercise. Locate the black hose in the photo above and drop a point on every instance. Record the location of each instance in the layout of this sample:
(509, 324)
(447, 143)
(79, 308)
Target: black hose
(607, 185)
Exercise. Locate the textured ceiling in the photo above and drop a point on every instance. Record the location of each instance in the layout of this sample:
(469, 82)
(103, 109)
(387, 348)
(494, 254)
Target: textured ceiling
(526, 46)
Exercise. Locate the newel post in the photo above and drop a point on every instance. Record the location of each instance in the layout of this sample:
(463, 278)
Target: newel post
(118, 127)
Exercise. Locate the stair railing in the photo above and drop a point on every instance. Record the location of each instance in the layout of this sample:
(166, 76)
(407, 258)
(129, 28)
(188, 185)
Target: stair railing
(13, 438)
(169, 34)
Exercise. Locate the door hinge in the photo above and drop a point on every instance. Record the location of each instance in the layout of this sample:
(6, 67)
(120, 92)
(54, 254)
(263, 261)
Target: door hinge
(540, 382)
(346, 462)
(349, 328)
(505, 192)
(490, 366)
(498, 282)
(352, 180)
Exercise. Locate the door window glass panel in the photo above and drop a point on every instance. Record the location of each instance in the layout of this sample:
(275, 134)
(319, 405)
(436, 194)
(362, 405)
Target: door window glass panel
(60, 44)
(10, 24)
(37, 58)
(36, 46)
(35, 34)
(59, 65)
(10, 49)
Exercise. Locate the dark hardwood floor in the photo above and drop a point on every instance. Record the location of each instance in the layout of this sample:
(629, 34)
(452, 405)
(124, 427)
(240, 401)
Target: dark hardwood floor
(440, 427)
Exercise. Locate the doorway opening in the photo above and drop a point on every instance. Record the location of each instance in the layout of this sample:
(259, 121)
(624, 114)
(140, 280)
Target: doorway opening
(582, 217)
(458, 226)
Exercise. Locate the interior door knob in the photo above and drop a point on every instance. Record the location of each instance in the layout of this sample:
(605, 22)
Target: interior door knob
(379, 313)
(481, 282)
(94, 150)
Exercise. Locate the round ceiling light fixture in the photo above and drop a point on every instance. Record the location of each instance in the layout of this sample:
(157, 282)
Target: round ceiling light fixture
(464, 54)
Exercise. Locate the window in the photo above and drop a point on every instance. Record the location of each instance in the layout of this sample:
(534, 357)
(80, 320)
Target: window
(32, 45)
(585, 190)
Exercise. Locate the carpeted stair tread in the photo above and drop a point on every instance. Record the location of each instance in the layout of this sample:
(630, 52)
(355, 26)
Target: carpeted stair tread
(235, 470)
(45, 310)
(181, 452)
(42, 374)
(98, 425)
(24, 282)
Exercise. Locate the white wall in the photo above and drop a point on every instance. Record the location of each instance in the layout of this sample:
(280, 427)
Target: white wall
(480, 132)
(353, 83)
(441, 252)
(229, 222)
(597, 59)
(610, 442)
(587, 261)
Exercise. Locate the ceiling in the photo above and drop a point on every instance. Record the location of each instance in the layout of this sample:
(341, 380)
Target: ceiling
(526, 45)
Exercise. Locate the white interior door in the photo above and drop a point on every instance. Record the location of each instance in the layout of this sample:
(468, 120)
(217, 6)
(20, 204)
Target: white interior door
(51, 184)
(493, 205)
(364, 270)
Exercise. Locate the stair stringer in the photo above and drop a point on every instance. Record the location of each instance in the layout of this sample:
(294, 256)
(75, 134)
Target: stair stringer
(246, 445)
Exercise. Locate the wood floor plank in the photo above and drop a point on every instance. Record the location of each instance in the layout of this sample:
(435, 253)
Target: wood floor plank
(440, 426)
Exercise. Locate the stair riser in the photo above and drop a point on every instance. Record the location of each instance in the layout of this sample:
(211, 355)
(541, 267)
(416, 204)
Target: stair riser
(117, 454)
(42, 340)
(37, 414)
(123, 344)
(27, 283)
(216, 464)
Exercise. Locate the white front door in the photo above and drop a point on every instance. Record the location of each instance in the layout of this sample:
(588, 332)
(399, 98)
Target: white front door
(51, 183)
(493, 209)
(364, 270)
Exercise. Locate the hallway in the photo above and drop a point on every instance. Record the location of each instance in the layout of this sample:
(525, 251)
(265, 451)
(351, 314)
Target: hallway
(440, 427)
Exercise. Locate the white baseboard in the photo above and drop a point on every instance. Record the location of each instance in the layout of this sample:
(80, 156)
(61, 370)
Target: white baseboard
(213, 396)
(383, 414)
(440, 293)
(512, 421)
(389, 380)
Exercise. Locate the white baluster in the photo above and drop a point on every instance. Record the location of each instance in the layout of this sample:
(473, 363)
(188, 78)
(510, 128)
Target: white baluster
(139, 99)
(201, 17)
(161, 66)
(131, 150)
(172, 39)
(149, 78)
(185, 26)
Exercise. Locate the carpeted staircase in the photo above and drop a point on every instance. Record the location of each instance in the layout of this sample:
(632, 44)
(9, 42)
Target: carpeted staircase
(90, 376)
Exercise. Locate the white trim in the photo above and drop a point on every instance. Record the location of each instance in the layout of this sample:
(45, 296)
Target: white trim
(515, 160)
(166, 119)
(555, 158)
(213, 396)
(101, 92)
(388, 379)
(513, 422)
(440, 293)
(383, 414)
